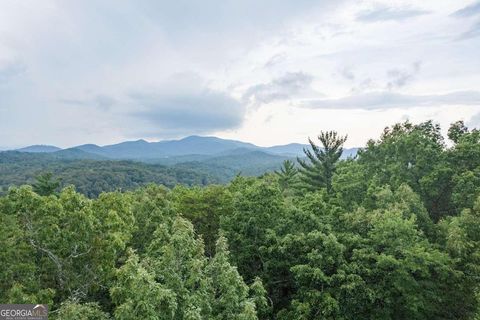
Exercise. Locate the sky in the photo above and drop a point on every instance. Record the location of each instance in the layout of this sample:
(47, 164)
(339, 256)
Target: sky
(267, 72)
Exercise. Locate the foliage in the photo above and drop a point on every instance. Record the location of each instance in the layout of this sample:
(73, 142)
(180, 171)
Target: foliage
(70, 310)
(91, 177)
(287, 176)
(319, 172)
(45, 185)
(392, 234)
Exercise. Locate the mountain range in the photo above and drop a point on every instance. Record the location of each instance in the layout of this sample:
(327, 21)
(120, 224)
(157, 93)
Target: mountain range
(192, 148)
(193, 160)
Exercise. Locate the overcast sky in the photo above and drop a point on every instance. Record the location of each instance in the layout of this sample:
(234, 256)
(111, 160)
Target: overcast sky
(263, 71)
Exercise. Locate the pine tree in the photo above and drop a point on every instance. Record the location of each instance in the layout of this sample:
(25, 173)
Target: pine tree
(229, 294)
(45, 185)
(287, 176)
(319, 171)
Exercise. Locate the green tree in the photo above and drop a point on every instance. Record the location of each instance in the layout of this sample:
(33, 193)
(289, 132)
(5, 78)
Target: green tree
(177, 260)
(229, 295)
(318, 172)
(456, 130)
(257, 207)
(203, 207)
(70, 310)
(350, 184)
(151, 206)
(137, 295)
(288, 175)
(45, 185)
(68, 243)
(462, 242)
(411, 154)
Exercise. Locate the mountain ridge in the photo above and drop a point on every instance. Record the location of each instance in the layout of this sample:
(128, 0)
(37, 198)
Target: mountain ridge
(191, 145)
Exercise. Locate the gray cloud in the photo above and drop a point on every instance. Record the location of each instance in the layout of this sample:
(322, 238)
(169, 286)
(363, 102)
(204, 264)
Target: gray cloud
(104, 102)
(281, 88)
(347, 73)
(275, 60)
(11, 70)
(186, 113)
(386, 100)
(471, 10)
(473, 32)
(398, 78)
(468, 11)
(384, 13)
(101, 101)
(474, 121)
(107, 50)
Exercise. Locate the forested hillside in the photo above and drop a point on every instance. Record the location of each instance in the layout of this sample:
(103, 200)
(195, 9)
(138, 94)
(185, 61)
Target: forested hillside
(91, 177)
(391, 234)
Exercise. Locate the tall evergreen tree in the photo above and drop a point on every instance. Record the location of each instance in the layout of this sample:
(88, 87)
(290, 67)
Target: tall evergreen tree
(45, 185)
(287, 176)
(318, 171)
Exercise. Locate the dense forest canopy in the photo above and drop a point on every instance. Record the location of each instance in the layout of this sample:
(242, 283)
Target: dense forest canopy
(92, 176)
(391, 234)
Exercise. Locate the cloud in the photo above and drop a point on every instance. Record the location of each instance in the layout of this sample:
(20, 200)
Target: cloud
(387, 99)
(473, 32)
(384, 13)
(281, 88)
(471, 10)
(101, 101)
(468, 11)
(104, 102)
(275, 60)
(188, 113)
(112, 61)
(11, 70)
(398, 78)
(474, 121)
(347, 73)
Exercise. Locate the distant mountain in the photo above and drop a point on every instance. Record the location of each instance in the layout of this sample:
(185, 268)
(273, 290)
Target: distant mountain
(349, 153)
(39, 148)
(192, 160)
(287, 149)
(90, 148)
(191, 148)
(143, 150)
(74, 153)
(200, 145)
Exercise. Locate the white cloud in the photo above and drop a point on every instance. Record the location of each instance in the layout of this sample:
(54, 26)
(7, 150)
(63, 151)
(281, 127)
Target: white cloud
(387, 99)
(388, 13)
(89, 71)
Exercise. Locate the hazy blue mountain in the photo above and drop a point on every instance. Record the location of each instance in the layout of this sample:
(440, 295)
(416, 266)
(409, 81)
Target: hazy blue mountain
(192, 160)
(295, 149)
(349, 153)
(141, 149)
(201, 145)
(39, 148)
(192, 148)
(90, 148)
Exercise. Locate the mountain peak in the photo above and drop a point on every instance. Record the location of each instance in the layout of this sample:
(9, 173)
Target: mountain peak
(39, 148)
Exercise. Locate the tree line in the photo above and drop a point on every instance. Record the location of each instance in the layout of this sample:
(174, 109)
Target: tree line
(391, 234)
